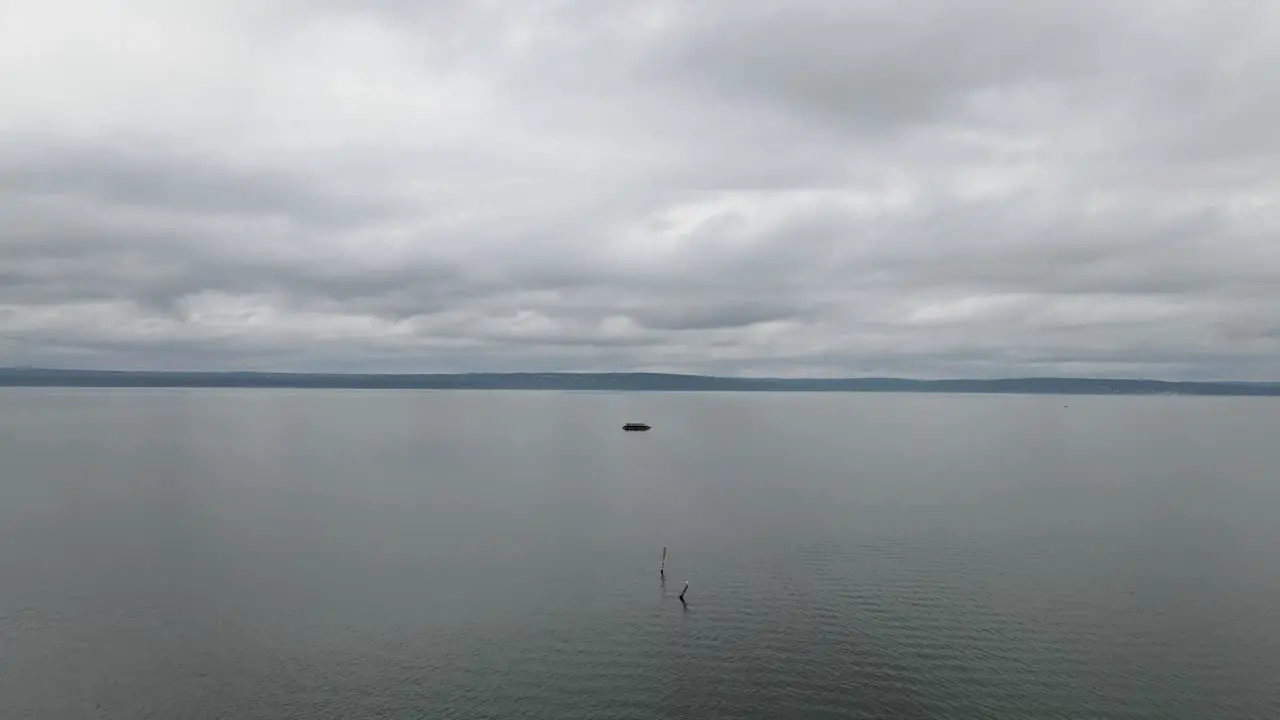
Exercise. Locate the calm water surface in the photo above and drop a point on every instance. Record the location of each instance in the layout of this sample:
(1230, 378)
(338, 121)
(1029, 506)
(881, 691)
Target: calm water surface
(328, 554)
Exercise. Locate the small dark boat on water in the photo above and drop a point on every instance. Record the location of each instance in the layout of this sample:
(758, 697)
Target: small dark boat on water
(635, 427)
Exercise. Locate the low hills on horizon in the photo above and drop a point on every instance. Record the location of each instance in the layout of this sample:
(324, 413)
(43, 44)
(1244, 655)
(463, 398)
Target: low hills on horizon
(620, 381)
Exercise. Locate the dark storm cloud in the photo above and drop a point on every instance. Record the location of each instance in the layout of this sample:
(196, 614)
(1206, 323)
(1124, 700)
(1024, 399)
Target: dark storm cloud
(753, 187)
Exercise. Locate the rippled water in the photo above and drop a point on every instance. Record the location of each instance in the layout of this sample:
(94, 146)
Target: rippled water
(274, 554)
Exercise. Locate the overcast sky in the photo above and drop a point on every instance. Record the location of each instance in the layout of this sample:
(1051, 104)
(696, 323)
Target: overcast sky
(744, 187)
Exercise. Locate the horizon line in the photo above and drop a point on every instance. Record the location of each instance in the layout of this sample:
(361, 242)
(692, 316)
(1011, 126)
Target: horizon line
(689, 375)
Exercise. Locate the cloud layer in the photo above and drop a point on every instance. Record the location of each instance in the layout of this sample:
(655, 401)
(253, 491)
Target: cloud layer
(746, 187)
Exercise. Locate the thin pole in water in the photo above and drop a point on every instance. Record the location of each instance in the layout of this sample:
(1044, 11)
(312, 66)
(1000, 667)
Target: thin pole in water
(662, 569)
(685, 590)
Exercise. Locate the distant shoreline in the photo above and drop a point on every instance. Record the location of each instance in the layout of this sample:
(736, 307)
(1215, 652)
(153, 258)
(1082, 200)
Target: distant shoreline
(43, 377)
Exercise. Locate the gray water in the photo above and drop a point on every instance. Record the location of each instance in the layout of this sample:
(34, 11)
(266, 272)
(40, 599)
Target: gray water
(329, 554)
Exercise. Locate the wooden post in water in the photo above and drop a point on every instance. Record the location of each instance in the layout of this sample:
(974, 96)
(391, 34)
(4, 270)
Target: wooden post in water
(662, 569)
(685, 590)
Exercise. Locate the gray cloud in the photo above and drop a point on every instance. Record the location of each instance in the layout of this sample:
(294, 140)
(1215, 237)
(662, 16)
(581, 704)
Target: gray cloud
(751, 187)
